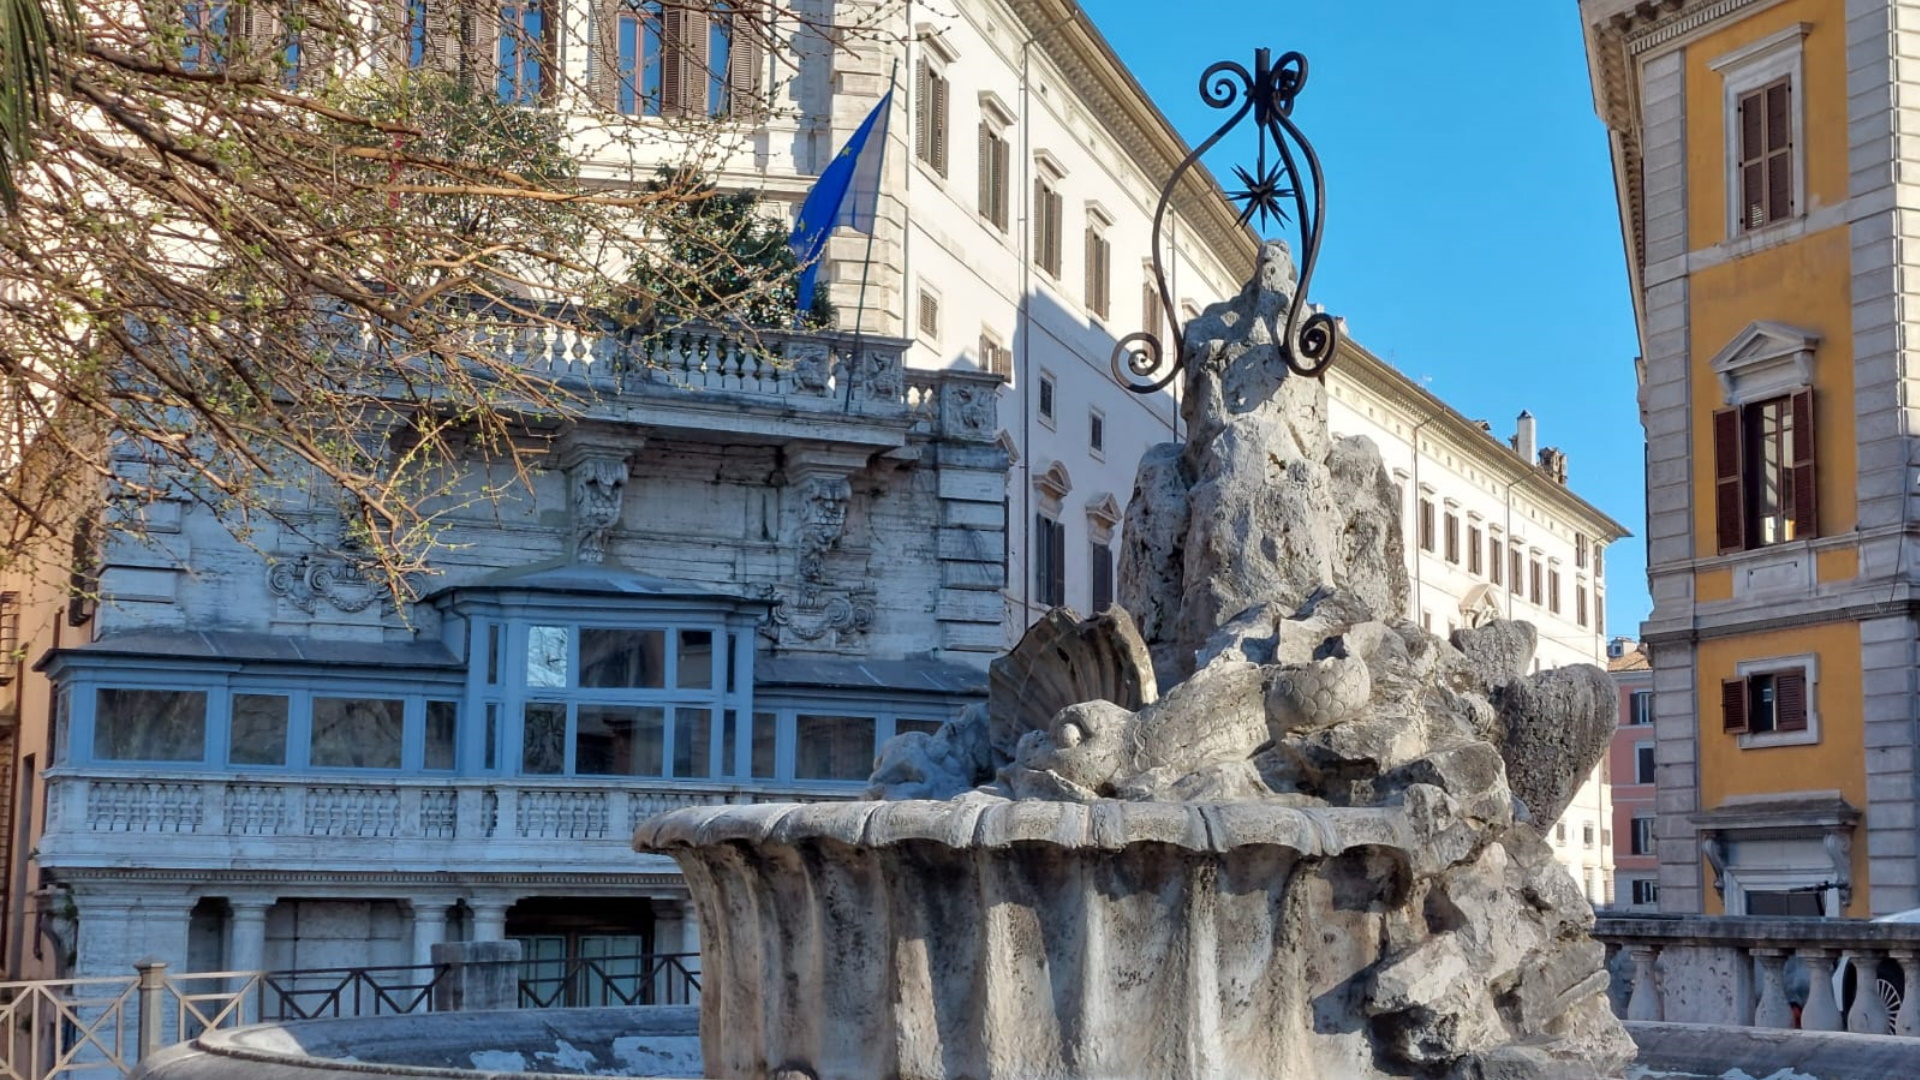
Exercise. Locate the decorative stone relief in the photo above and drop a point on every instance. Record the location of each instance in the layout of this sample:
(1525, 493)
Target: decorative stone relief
(595, 484)
(881, 378)
(969, 412)
(819, 617)
(823, 520)
(307, 581)
(812, 367)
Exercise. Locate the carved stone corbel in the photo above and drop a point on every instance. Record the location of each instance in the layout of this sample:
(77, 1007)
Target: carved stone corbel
(596, 474)
(1714, 846)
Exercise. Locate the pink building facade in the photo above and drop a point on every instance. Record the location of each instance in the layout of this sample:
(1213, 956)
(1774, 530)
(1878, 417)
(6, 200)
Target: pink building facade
(1630, 767)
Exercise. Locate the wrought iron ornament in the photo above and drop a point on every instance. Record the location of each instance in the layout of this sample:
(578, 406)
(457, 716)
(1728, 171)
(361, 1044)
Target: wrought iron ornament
(1308, 340)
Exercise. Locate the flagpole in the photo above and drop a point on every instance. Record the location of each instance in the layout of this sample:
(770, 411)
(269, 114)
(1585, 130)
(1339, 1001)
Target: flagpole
(866, 264)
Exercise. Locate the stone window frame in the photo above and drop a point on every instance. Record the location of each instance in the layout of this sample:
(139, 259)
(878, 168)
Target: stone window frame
(1809, 663)
(1778, 56)
(1046, 399)
(933, 105)
(994, 200)
(1097, 434)
(1652, 760)
(1642, 827)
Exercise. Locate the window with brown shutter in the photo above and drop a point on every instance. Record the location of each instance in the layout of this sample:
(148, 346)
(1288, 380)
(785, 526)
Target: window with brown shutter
(1517, 581)
(1580, 604)
(1453, 538)
(1426, 525)
(1101, 559)
(930, 115)
(930, 315)
(1766, 155)
(683, 61)
(1153, 314)
(1473, 549)
(1050, 561)
(1098, 267)
(1553, 591)
(1494, 557)
(1766, 701)
(1047, 226)
(1538, 594)
(993, 175)
(1765, 477)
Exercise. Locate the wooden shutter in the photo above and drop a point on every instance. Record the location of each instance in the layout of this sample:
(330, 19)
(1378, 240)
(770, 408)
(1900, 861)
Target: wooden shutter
(923, 111)
(986, 171)
(445, 31)
(1806, 495)
(1040, 223)
(1779, 151)
(683, 51)
(746, 61)
(1102, 578)
(1753, 213)
(1001, 151)
(1733, 705)
(1042, 555)
(256, 35)
(317, 38)
(939, 161)
(603, 56)
(1057, 587)
(1790, 700)
(1729, 496)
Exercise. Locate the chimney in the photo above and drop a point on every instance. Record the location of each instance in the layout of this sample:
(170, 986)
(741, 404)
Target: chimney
(1523, 438)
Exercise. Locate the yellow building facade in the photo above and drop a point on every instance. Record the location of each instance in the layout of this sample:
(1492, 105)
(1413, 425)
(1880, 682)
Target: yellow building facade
(1758, 150)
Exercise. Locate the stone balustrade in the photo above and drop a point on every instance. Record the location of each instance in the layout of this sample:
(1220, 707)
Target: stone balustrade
(1755, 970)
(481, 818)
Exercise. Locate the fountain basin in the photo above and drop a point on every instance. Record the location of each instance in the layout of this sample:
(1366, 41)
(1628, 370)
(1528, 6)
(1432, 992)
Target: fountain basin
(989, 938)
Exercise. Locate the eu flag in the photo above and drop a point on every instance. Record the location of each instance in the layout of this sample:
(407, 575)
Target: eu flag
(847, 193)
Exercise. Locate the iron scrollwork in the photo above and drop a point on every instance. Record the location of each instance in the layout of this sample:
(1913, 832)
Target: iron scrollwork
(1308, 340)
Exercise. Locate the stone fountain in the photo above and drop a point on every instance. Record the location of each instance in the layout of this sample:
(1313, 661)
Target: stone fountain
(1250, 823)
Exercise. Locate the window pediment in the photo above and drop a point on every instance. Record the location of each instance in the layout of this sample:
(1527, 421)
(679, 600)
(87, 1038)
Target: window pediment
(1766, 360)
(1053, 482)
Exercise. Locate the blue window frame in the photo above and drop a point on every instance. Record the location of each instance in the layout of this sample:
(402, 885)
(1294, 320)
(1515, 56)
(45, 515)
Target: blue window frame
(719, 56)
(522, 54)
(204, 46)
(637, 37)
(416, 33)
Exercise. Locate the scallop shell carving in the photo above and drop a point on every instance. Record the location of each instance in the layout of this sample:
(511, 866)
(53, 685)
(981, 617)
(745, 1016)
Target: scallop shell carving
(1064, 660)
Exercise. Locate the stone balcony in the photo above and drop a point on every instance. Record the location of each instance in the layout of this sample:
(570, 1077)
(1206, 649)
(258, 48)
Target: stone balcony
(1766, 972)
(185, 820)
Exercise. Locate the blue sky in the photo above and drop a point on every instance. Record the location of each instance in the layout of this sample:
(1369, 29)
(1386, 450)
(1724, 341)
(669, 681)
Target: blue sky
(1472, 237)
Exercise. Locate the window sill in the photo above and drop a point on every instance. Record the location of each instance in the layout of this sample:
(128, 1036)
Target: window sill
(930, 172)
(1762, 740)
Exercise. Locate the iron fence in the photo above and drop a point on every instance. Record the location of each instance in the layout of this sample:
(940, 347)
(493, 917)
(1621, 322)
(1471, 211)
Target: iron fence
(604, 981)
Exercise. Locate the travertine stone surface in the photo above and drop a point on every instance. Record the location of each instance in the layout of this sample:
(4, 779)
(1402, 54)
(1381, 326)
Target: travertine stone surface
(1302, 859)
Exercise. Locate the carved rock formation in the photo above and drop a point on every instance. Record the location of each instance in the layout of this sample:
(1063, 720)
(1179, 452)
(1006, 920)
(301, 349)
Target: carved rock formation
(1302, 859)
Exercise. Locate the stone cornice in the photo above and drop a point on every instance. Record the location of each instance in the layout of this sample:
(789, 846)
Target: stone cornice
(360, 880)
(1380, 378)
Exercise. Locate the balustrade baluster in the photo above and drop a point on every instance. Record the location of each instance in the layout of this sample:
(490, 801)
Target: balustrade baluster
(1644, 1004)
(1868, 1014)
(1907, 1020)
(1821, 1012)
(1773, 1011)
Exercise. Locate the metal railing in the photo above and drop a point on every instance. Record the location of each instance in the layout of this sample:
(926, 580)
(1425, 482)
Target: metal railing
(100, 1028)
(1766, 971)
(602, 981)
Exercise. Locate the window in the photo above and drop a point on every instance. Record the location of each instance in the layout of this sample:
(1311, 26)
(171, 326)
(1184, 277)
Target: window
(1586, 835)
(1553, 591)
(357, 733)
(1599, 562)
(1474, 560)
(1099, 269)
(1534, 577)
(649, 58)
(622, 701)
(1641, 841)
(1646, 892)
(1049, 215)
(443, 736)
(522, 51)
(1766, 154)
(150, 725)
(1606, 838)
(994, 149)
(257, 734)
(1096, 432)
(995, 358)
(1153, 314)
(1517, 581)
(1643, 763)
(1579, 551)
(1453, 538)
(1764, 472)
(1100, 557)
(1640, 708)
(833, 747)
(1049, 561)
(930, 115)
(930, 315)
(1559, 832)
(1494, 558)
(204, 45)
(1046, 398)
(1775, 700)
(1426, 525)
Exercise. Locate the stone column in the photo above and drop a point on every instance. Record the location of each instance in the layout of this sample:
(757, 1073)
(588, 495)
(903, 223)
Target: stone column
(489, 919)
(247, 933)
(429, 929)
(1821, 1012)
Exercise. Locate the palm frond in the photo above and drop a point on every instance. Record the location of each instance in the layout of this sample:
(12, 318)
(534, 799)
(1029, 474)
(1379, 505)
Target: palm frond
(28, 39)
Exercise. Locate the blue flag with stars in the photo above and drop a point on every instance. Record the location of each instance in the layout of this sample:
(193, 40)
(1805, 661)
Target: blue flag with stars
(847, 193)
